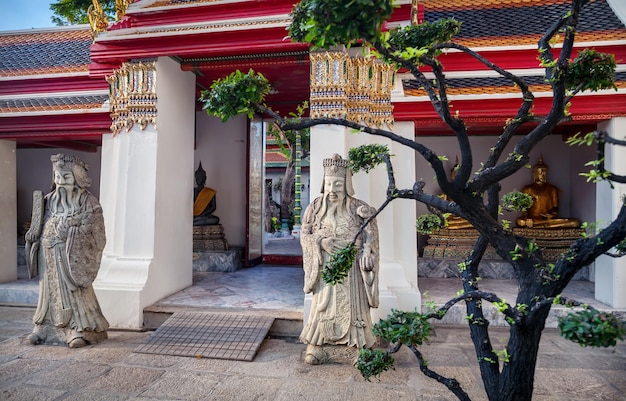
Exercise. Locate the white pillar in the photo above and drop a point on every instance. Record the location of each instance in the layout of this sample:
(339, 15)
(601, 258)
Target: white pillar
(8, 212)
(611, 272)
(146, 193)
(398, 238)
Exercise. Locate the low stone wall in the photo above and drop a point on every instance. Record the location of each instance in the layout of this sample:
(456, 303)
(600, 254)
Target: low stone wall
(497, 269)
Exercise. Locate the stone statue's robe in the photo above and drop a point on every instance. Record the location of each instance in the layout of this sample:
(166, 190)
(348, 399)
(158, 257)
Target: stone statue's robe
(69, 257)
(340, 314)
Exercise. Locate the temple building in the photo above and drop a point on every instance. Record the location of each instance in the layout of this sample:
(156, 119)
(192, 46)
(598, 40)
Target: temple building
(123, 97)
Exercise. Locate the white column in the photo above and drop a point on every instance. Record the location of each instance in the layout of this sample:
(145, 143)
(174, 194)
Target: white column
(8, 213)
(146, 193)
(611, 272)
(398, 238)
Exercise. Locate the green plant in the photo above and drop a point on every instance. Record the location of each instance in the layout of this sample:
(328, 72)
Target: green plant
(373, 362)
(339, 265)
(366, 157)
(408, 328)
(517, 201)
(238, 93)
(590, 327)
(275, 224)
(428, 223)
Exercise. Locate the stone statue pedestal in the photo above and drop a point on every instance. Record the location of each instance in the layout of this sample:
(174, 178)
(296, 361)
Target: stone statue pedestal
(218, 261)
(457, 244)
(454, 244)
(209, 238)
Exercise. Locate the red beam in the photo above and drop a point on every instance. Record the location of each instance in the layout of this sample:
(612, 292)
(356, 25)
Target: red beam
(595, 107)
(208, 44)
(207, 12)
(39, 125)
(51, 85)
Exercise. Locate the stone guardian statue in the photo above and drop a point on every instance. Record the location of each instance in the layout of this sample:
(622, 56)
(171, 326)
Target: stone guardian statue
(340, 314)
(64, 246)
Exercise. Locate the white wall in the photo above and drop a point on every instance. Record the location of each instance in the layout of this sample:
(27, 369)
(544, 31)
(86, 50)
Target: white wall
(8, 213)
(611, 272)
(222, 149)
(147, 204)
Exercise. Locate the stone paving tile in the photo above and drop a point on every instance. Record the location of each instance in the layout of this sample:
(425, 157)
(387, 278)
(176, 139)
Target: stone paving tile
(20, 393)
(132, 380)
(184, 385)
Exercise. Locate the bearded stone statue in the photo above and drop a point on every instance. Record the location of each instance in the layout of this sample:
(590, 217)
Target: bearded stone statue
(64, 246)
(340, 314)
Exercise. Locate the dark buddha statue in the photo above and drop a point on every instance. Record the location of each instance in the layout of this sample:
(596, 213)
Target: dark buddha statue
(204, 201)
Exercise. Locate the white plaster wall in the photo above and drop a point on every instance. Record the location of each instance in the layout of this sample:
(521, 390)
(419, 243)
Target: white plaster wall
(611, 272)
(8, 214)
(564, 162)
(34, 172)
(173, 246)
(148, 204)
(397, 237)
(222, 149)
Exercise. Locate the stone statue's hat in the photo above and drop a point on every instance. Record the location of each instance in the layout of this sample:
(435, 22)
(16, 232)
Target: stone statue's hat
(67, 161)
(336, 166)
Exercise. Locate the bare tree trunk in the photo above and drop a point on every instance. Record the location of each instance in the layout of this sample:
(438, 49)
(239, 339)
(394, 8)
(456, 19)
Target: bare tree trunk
(286, 190)
(518, 375)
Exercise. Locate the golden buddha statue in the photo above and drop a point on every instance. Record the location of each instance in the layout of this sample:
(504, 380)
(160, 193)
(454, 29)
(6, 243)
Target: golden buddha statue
(544, 211)
(455, 222)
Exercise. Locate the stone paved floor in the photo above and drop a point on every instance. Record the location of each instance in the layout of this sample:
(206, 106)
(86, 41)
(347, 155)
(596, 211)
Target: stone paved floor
(111, 371)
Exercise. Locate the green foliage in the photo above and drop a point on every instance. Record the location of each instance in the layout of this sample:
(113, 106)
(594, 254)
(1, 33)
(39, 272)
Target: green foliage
(414, 41)
(373, 362)
(501, 306)
(427, 223)
(290, 136)
(516, 253)
(238, 93)
(366, 157)
(339, 265)
(579, 140)
(592, 328)
(74, 12)
(276, 224)
(592, 70)
(621, 247)
(516, 201)
(594, 175)
(504, 355)
(408, 328)
(327, 23)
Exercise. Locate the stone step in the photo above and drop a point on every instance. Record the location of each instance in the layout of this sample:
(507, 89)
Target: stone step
(20, 292)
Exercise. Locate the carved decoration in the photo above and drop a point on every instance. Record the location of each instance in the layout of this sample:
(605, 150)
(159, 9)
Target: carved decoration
(120, 8)
(133, 98)
(97, 19)
(354, 88)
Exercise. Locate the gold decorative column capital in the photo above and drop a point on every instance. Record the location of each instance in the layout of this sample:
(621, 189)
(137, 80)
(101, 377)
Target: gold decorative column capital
(132, 96)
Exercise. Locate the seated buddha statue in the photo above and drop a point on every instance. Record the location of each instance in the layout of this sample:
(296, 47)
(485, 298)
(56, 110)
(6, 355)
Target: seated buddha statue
(544, 211)
(204, 203)
(455, 222)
